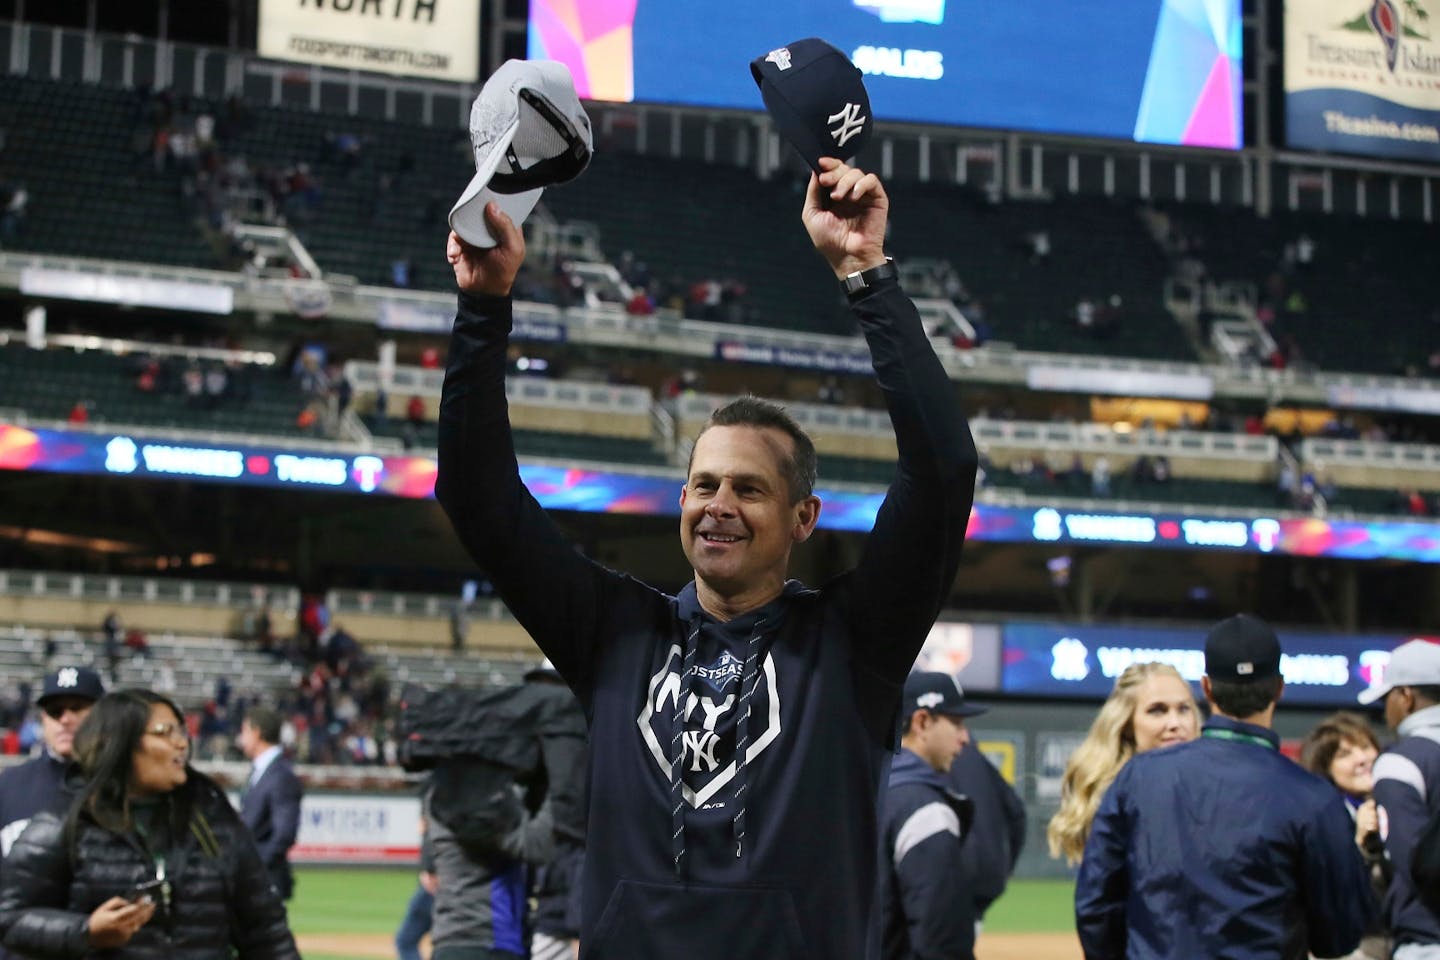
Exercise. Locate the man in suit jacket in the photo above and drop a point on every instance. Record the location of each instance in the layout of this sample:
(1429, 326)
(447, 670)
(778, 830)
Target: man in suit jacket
(270, 805)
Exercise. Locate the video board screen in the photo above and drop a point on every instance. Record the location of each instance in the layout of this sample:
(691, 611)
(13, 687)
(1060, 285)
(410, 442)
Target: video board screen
(1363, 76)
(1157, 71)
(1076, 660)
(593, 488)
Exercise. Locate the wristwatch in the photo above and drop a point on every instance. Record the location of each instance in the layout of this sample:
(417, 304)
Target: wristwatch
(865, 279)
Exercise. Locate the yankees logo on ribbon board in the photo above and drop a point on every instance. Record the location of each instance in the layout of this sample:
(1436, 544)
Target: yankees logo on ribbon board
(711, 711)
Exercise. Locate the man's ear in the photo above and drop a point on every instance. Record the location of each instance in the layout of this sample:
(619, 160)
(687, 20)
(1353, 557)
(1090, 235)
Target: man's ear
(807, 514)
(1205, 688)
(684, 487)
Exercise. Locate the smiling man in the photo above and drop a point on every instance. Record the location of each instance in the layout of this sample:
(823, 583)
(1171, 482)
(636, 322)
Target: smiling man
(741, 730)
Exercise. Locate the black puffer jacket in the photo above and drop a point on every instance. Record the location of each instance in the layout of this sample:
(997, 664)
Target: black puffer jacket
(221, 902)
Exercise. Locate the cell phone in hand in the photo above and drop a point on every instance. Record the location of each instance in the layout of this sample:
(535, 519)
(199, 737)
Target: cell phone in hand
(147, 891)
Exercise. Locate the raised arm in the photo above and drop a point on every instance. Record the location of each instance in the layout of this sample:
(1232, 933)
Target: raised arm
(913, 553)
(553, 591)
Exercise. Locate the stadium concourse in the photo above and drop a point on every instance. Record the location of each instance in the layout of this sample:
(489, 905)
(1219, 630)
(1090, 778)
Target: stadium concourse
(1201, 381)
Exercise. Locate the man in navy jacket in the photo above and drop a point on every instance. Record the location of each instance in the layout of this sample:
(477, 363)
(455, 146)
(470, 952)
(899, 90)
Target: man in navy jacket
(38, 785)
(742, 730)
(270, 804)
(1407, 787)
(929, 907)
(1222, 847)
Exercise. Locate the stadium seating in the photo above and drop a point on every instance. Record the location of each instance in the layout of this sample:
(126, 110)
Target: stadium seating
(47, 384)
(1098, 248)
(91, 194)
(1370, 293)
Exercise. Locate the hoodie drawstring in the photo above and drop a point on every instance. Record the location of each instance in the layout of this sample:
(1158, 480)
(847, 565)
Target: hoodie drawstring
(749, 679)
(677, 750)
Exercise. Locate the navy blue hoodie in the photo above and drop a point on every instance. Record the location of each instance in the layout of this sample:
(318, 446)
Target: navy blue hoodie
(825, 682)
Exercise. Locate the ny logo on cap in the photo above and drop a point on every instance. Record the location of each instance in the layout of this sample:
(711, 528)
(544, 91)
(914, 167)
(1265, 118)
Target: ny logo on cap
(69, 677)
(781, 58)
(851, 123)
(928, 700)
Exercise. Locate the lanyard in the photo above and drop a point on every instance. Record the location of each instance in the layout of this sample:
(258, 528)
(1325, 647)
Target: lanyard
(1220, 733)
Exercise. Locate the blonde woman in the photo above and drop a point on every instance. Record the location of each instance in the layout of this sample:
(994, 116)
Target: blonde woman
(1151, 706)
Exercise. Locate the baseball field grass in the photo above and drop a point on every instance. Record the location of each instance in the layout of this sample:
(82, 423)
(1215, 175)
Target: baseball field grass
(356, 911)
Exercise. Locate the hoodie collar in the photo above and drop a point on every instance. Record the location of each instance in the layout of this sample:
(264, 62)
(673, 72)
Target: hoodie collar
(688, 606)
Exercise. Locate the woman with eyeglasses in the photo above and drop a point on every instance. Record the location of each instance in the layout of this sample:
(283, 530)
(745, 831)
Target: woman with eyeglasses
(150, 862)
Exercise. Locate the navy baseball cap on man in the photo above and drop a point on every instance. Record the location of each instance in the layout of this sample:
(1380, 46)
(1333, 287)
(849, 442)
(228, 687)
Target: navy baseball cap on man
(1242, 648)
(81, 682)
(817, 99)
(938, 693)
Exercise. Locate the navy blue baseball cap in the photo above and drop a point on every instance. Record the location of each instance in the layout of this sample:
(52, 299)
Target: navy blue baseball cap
(1242, 648)
(817, 99)
(79, 682)
(938, 693)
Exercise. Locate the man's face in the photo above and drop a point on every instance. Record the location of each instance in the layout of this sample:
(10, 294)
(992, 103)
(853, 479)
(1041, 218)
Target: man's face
(941, 738)
(737, 523)
(246, 739)
(1398, 706)
(60, 717)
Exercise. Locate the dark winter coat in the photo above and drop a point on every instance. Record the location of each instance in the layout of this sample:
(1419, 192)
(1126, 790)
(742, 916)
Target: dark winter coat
(220, 901)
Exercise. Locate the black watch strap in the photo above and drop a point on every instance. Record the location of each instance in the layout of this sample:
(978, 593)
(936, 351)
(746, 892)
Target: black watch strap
(862, 280)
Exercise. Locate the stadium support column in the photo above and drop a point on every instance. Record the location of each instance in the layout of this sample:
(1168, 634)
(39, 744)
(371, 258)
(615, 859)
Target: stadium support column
(304, 553)
(1347, 597)
(1082, 579)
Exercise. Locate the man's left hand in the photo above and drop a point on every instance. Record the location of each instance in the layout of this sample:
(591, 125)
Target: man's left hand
(846, 211)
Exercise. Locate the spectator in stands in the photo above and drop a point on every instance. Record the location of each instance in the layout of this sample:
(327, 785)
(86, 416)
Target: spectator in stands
(400, 272)
(1100, 477)
(1150, 706)
(14, 200)
(459, 624)
(1038, 244)
(640, 304)
(194, 383)
(314, 620)
(79, 413)
(217, 381)
(270, 802)
(830, 391)
(414, 421)
(111, 630)
(143, 811)
(135, 641)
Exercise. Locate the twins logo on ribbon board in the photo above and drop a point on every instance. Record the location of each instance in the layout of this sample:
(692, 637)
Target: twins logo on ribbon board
(711, 711)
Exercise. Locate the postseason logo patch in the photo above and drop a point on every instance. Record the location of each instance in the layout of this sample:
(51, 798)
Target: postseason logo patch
(711, 709)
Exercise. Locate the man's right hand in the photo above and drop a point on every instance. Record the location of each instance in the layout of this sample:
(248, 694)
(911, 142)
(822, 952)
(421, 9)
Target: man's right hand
(115, 921)
(488, 270)
(429, 881)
